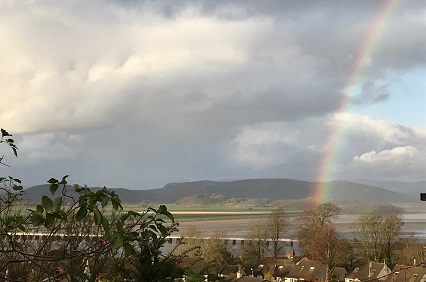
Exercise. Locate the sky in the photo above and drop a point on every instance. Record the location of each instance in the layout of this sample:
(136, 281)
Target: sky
(137, 94)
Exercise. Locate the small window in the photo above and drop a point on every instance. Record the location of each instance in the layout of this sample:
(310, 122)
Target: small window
(311, 268)
(415, 275)
(396, 273)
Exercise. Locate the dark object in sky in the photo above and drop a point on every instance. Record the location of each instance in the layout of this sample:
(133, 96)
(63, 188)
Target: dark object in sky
(422, 196)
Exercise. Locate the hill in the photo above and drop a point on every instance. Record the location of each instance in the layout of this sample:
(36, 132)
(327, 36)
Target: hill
(411, 189)
(34, 194)
(277, 189)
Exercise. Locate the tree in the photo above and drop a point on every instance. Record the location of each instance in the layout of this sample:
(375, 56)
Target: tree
(412, 250)
(214, 251)
(390, 231)
(191, 276)
(345, 254)
(323, 213)
(318, 237)
(367, 229)
(63, 215)
(147, 262)
(312, 220)
(189, 243)
(379, 234)
(323, 247)
(277, 224)
(211, 249)
(255, 245)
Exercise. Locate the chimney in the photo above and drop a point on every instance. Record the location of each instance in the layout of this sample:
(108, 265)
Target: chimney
(239, 275)
(369, 268)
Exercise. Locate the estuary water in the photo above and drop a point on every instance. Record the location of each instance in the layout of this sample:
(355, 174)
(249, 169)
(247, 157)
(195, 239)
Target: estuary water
(414, 223)
(235, 231)
(239, 228)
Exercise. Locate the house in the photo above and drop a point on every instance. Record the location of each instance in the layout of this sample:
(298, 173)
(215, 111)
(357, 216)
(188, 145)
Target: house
(200, 266)
(196, 264)
(282, 271)
(306, 270)
(231, 270)
(372, 271)
(403, 273)
(275, 267)
(261, 270)
(338, 274)
(243, 279)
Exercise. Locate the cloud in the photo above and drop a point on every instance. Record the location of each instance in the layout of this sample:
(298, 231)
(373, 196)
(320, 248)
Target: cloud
(382, 132)
(371, 94)
(84, 66)
(54, 152)
(397, 153)
(403, 162)
(34, 149)
(367, 147)
(121, 90)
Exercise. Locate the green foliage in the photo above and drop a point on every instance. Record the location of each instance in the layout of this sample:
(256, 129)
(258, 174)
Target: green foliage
(6, 138)
(148, 265)
(191, 276)
(142, 244)
(139, 235)
(11, 192)
(88, 238)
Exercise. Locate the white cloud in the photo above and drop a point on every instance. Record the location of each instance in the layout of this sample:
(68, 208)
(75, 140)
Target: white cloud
(402, 163)
(268, 145)
(364, 126)
(260, 148)
(367, 147)
(63, 72)
(399, 155)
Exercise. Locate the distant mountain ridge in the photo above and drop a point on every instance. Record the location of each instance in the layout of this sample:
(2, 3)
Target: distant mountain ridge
(277, 189)
(411, 189)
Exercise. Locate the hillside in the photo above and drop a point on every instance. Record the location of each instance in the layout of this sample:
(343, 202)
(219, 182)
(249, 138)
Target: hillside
(276, 189)
(411, 189)
(34, 194)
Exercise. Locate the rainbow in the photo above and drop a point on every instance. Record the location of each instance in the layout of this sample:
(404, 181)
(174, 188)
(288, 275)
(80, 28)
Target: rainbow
(362, 61)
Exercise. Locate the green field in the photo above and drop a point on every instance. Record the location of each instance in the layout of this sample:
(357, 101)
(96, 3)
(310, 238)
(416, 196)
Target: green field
(202, 217)
(185, 213)
(211, 212)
